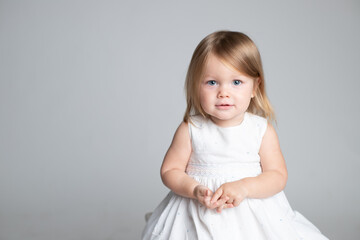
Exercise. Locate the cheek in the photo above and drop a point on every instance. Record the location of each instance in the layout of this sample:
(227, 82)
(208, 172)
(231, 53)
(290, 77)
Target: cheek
(203, 95)
(205, 99)
(244, 96)
(249, 92)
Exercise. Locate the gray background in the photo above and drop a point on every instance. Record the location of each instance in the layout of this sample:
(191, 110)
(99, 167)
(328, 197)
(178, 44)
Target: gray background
(91, 93)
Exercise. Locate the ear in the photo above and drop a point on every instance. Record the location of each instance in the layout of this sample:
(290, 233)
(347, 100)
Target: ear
(255, 87)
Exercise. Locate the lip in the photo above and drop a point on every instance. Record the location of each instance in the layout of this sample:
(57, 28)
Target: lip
(224, 106)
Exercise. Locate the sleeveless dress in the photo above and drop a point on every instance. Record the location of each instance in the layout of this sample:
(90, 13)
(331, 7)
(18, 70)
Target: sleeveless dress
(221, 155)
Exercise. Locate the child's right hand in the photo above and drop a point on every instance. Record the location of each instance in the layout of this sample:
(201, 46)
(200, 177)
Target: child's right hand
(203, 194)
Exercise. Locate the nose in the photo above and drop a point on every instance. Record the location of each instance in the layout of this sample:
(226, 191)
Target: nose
(223, 92)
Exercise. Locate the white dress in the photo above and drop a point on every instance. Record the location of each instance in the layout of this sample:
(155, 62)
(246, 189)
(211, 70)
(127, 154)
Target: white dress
(222, 155)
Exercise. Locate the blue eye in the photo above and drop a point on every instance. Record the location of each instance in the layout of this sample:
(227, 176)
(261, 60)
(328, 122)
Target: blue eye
(211, 82)
(237, 82)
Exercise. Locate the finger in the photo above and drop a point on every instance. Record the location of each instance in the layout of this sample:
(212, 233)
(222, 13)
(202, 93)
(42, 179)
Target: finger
(221, 201)
(218, 203)
(221, 204)
(197, 191)
(222, 207)
(208, 193)
(231, 200)
(228, 205)
(219, 209)
(216, 195)
(207, 199)
(202, 191)
(237, 202)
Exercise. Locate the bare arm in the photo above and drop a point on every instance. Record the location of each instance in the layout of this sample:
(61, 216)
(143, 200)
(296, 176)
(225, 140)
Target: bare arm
(173, 168)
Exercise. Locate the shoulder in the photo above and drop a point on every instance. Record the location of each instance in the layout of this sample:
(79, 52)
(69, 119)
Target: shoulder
(182, 130)
(260, 124)
(196, 124)
(181, 143)
(270, 138)
(182, 134)
(197, 121)
(257, 119)
(179, 151)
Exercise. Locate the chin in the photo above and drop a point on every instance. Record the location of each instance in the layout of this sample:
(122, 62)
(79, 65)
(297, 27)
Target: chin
(223, 118)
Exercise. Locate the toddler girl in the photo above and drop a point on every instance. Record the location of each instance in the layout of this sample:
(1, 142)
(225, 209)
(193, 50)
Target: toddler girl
(224, 167)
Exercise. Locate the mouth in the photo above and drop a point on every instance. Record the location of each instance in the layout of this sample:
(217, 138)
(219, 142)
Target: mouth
(224, 106)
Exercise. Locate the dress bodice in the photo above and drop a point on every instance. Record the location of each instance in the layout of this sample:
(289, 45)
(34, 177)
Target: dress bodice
(212, 144)
(229, 153)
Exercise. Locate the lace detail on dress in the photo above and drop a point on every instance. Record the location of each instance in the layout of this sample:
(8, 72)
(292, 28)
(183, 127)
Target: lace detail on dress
(232, 170)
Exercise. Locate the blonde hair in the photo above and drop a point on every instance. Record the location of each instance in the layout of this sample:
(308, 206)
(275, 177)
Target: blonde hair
(240, 52)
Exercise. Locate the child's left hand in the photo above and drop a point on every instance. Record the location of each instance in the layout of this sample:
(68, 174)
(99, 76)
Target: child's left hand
(234, 191)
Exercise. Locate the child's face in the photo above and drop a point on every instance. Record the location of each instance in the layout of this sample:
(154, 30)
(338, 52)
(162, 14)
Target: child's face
(225, 93)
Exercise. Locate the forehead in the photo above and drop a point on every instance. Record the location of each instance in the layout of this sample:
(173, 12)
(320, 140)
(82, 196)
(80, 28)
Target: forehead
(214, 66)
